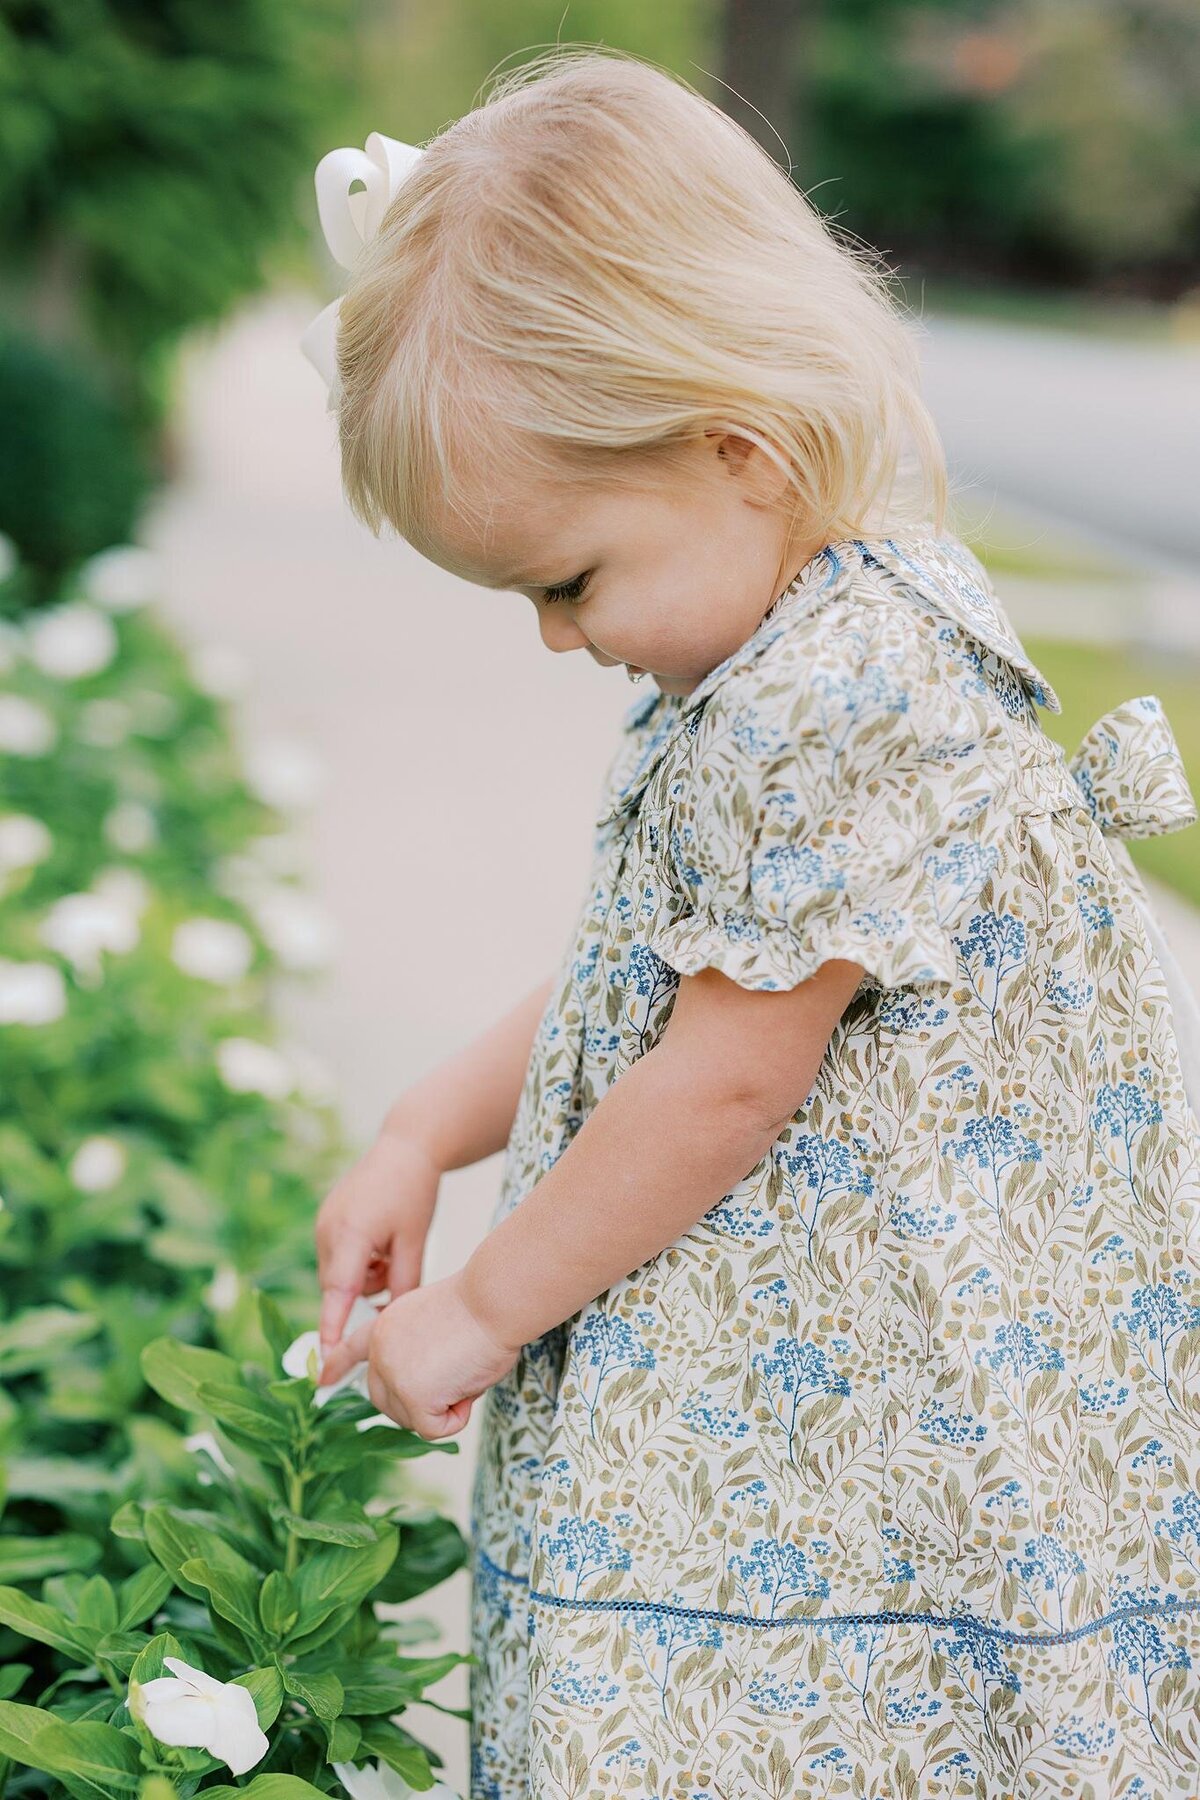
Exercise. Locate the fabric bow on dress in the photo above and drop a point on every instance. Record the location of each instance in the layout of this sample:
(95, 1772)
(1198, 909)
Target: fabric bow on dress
(1131, 775)
(350, 220)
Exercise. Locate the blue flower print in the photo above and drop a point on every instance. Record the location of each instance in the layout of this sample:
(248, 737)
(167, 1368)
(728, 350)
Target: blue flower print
(579, 1549)
(992, 948)
(1141, 1653)
(815, 1170)
(1155, 1317)
(1046, 1575)
(1182, 1529)
(661, 1635)
(601, 1346)
(1018, 1353)
(1119, 1117)
(791, 1373)
(774, 1575)
(987, 1148)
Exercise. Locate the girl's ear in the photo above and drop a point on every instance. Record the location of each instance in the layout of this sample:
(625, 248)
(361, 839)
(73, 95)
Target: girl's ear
(765, 480)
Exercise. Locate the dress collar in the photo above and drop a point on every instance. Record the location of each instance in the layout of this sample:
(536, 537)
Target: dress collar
(940, 570)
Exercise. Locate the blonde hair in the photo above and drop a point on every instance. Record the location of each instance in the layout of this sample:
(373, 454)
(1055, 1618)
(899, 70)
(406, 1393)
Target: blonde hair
(588, 271)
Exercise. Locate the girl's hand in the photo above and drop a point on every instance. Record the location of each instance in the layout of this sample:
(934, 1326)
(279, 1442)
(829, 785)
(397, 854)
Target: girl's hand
(371, 1228)
(428, 1358)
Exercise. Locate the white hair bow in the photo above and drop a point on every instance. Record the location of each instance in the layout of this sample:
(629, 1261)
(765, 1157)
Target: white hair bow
(349, 221)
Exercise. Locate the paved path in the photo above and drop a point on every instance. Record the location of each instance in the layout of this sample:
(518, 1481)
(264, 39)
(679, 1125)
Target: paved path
(450, 844)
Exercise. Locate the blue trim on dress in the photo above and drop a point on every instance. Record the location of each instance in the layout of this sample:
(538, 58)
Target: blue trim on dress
(963, 1622)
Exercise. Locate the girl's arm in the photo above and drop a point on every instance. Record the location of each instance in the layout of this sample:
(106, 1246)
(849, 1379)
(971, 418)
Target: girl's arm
(674, 1133)
(372, 1225)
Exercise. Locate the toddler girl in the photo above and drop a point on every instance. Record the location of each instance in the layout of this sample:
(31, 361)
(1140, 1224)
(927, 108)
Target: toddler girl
(838, 1330)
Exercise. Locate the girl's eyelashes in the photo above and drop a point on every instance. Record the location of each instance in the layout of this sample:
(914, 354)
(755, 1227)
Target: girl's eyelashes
(568, 590)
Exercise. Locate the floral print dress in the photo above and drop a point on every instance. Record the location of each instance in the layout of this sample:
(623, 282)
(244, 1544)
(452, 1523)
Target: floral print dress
(884, 1478)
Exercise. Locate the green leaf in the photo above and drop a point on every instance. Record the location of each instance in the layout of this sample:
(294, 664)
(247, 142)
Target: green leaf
(345, 1446)
(321, 1692)
(343, 1738)
(325, 1531)
(269, 1787)
(157, 1787)
(97, 1605)
(277, 1605)
(275, 1327)
(231, 1592)
(103, 1760)
(129, 1521)
(431, 1549)
(141, 1594)
(19, 1725)
(338, 1577)
(266, 1687)
(175, 1370)
(382, 1739)
(12, 1677)
(45, 1624)
(246, 1411)
(38, 1336)
(29, 1558)
(150, 1663)
(385, 1684)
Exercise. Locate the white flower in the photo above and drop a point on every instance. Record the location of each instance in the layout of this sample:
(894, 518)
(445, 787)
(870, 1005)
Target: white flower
(219, 670)
(25, 729)
(296, 929)
(222, 1291)
(248, 1067)
(308, 1344)
(82, 926)
(286, 775)
(204, 1440)
(24, 841)
(130, 827)
(122, 578)
(71, 641)
(104, 723)
(8, 556)
(10, 646)
(212, 950)
(379, 1781)
(98, 1163)
(31, 993)
(124, 887)
(196, 1712)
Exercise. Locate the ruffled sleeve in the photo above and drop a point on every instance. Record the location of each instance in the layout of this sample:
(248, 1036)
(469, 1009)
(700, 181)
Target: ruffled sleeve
(848, 797)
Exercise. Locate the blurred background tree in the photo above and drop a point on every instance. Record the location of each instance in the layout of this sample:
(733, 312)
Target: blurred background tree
(153, 161)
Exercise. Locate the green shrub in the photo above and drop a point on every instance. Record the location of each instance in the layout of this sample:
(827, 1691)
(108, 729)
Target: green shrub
(71, 480)
(267, 1577)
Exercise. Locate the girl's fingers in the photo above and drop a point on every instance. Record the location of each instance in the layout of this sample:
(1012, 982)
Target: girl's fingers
(335, 1310)
(345, 1354)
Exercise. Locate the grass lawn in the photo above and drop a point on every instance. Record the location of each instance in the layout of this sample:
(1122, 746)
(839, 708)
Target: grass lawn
(1089, 679)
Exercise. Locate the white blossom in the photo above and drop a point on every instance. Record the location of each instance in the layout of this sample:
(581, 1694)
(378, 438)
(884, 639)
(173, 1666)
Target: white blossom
(26, 729)
(104, 723)
(130, 827)
(222, 1291)
(71, 641)
(219, 670)
(379, 1781)
(296, 1358)
(194, 1711)
(125, 887)
(204, 1440)
(24, 841)
(8, 556)
(248, 1067)
(296, 929)
(122, 578)
(99, 1163)
(31, 993)
(82, 926)
(212, 950)
(284, 774)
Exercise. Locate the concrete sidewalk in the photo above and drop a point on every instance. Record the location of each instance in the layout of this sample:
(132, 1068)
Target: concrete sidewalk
(451, 840)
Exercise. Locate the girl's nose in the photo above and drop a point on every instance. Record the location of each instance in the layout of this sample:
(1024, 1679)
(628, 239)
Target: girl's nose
(559, 631)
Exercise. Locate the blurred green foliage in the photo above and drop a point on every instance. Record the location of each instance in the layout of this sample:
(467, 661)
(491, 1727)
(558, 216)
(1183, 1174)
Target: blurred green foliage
(151, 157)
(72, 480)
